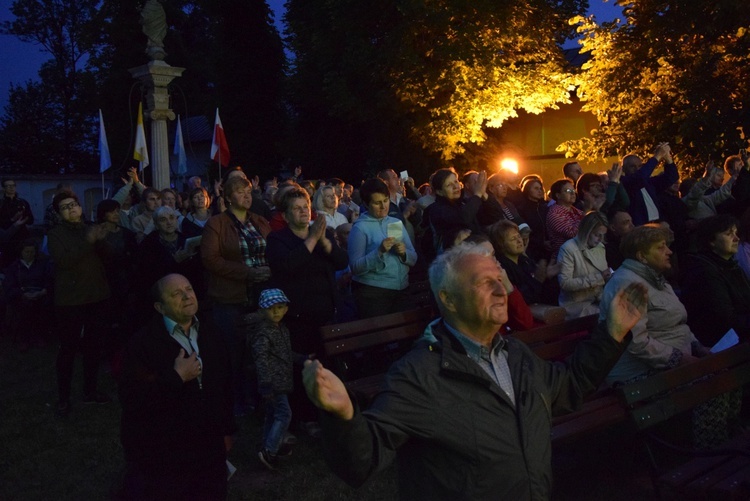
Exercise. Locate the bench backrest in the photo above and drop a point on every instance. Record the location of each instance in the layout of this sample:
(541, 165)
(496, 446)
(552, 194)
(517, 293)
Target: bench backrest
(363, 334)
(557, 341)
(666, 394)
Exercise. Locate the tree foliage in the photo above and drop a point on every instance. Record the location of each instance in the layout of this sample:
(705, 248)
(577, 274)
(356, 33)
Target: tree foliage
(68, 32)
(673, 71)
(434, 74)
(233, 57)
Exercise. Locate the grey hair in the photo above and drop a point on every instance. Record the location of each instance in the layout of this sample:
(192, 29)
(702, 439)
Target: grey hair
(164, 210)
(443, 270)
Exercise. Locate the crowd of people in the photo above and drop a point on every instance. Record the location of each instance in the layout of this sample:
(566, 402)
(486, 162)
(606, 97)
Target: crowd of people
(268, 265)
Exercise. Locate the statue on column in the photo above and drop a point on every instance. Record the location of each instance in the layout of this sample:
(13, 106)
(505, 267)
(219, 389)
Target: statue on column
(154, 23)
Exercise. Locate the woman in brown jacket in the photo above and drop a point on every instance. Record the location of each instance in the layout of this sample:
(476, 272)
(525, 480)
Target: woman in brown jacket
(233, 250)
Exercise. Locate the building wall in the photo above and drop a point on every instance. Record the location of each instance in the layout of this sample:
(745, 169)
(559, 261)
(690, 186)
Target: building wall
(534, 139)
(39, 190)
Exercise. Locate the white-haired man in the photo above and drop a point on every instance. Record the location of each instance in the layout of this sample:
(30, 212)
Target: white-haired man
(467, 411)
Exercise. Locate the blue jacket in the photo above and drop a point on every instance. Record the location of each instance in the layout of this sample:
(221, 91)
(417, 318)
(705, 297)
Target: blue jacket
(369, 267)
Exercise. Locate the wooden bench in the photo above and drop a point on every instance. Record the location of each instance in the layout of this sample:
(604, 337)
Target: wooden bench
(361, 351)
(557, 342)
(725, 474)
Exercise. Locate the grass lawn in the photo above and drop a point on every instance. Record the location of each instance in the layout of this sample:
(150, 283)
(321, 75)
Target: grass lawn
(80, 458)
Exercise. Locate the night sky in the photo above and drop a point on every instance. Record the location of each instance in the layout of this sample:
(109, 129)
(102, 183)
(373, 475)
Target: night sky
(20, 61)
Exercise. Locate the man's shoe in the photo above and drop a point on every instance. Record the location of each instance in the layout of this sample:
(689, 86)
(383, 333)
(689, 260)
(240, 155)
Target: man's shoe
(96, 398)
(63, 409)
(269, 460)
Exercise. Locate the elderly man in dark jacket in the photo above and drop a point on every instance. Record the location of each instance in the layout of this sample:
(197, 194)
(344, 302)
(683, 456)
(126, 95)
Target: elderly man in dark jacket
(467, 412)
(176, 402)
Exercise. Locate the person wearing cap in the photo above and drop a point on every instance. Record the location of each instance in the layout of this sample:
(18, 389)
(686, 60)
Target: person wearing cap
(175, 393)
(268, 338)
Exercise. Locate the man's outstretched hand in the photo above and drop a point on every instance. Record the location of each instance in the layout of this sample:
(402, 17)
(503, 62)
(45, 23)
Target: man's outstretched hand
(326, 390)
(628, 307)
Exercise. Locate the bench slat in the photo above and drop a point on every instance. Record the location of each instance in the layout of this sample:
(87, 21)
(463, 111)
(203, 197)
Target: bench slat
(552, 332)
(376, 338)
(375, 324)
(687, 397)
(673, 378)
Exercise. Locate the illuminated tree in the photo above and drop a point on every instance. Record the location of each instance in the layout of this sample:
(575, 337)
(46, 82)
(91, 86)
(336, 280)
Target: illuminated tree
(433, 73)
(673, 71)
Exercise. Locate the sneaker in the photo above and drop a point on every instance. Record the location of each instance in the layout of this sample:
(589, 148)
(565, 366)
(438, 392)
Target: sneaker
(96, 398)
(63, 409)
(268, 459)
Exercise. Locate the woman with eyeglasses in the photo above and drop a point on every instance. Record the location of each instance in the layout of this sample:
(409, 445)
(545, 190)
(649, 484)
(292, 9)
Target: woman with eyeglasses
(563, 218)
(81, 298)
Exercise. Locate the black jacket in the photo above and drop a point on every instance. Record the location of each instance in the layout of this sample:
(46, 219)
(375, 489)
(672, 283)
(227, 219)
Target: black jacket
(167, 423)
(716, 294)
(455, 433)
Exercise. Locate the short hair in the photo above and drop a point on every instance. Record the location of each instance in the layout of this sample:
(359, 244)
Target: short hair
(27, 242)
(585, 181)
(493, 179)
(105, 207)
(335, 181)
(569, 167)
(283, 187)
(497, 230)
(443, 272)
(708, 228)
(528, 180)
(5, 180)
(642, 238)
(591, 221)
(631, 161)
(164, 210)
(423, 188)
(235, 184)
(729, 161)
(63, 195)
(437, 180)
(557, 187)
(290, 194)
(318, 198)
(148, 191)
(195, 191)
(384, 173)
(372, 186)
(231, 171)
(470, 173)
(170, 190)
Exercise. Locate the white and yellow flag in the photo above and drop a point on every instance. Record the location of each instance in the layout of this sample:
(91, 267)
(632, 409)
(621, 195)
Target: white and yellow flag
(141, 151)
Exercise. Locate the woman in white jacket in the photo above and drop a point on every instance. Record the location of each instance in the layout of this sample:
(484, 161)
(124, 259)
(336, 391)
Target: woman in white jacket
(583, 267)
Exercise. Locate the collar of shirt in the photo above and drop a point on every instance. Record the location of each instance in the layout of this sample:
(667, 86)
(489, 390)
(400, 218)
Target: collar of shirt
(189, 340)
(475, 350)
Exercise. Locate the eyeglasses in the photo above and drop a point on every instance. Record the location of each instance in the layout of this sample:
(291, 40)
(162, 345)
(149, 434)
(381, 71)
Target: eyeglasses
(569, 190)
(68, 206)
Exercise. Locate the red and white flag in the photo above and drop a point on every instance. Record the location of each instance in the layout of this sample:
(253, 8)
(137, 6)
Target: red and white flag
(219, 146)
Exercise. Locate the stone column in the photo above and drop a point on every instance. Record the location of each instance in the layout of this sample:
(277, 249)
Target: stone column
(156, 76)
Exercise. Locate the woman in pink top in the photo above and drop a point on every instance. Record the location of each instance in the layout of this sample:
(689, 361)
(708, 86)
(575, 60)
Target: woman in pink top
(562, 218)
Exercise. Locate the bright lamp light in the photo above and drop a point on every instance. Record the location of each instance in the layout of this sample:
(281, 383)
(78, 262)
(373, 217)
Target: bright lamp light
(509, 164)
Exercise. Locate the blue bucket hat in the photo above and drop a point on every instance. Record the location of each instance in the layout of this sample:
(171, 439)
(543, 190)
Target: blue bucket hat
(270, 297)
